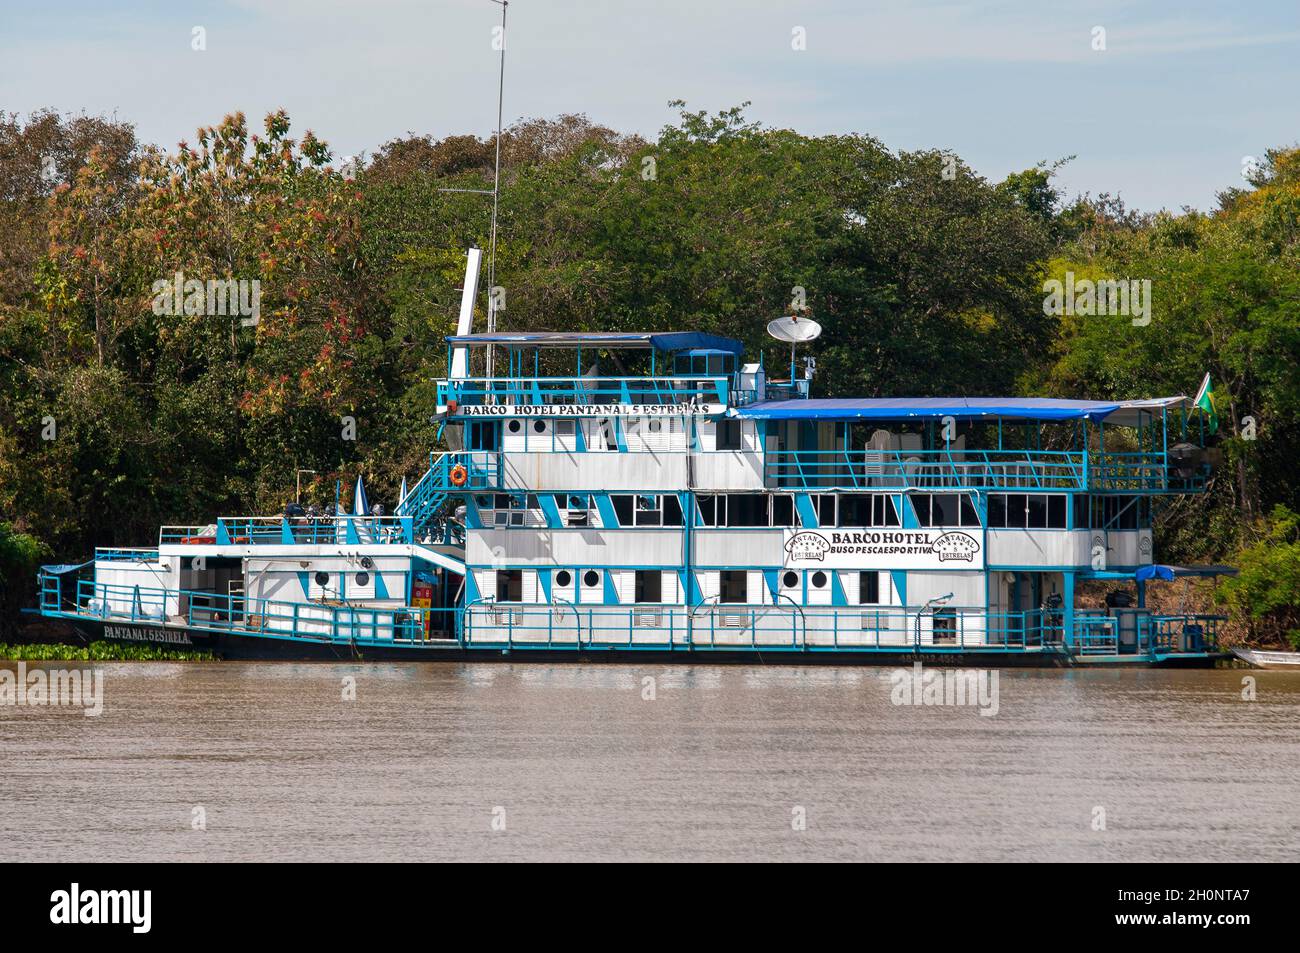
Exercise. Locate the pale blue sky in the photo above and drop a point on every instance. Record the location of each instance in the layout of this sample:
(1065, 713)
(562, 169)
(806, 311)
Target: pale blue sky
(1164, 115)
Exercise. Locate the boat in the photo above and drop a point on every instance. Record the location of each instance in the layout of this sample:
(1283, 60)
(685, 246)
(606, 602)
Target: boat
(1263, 658)
(653, 495)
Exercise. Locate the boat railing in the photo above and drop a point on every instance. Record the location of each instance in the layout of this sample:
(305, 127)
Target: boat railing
(964, 470)
(241, 614)
(537, 391)
(293, 530)
(131, 554)
(715, 625)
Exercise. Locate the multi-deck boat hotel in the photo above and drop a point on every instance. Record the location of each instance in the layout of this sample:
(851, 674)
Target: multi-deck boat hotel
(615, 495)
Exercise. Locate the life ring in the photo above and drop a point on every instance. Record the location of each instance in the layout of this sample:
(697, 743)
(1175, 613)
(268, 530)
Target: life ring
(458, 475)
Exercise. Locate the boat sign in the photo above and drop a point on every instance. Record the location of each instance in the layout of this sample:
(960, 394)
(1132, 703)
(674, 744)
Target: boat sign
(934, 548)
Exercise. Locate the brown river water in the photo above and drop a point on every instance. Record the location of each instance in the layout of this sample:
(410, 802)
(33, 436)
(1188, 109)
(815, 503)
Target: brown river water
(430, 761)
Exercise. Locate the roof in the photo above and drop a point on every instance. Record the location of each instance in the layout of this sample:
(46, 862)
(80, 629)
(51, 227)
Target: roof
(659, 340)
(961, 408)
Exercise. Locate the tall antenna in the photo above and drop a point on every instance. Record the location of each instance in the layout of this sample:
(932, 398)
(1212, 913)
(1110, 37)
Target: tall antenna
(496, 192)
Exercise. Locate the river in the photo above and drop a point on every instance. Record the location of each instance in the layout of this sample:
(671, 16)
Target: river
(255, 761)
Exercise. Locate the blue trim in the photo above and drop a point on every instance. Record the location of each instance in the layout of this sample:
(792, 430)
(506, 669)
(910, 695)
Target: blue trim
(838, 598)
(550, 510)
(611, 593)
(803, 504)
(381, 590)
(899, 579)
(608, 518)
(544, 580)
(304, 579)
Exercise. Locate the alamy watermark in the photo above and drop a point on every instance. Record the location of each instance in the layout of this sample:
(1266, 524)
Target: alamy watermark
(1103, 297)
(950, 687)
(216, 296)
(47, 687)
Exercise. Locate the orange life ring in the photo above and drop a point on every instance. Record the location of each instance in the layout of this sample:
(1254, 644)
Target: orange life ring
(458, 475)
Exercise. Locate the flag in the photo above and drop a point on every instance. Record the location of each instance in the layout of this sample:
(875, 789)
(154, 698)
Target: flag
(1207, 400)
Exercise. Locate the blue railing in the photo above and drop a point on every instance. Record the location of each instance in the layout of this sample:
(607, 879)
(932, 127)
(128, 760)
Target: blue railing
(584, 390)
(970, 470)
(293, 530)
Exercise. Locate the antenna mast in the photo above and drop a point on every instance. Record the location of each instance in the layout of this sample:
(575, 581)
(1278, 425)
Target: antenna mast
(496, 192)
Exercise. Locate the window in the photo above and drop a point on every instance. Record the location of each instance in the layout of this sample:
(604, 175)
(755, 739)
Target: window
(869, 588)
(539, 426)
(748, 509)
(826, 509)
(649, 585)
(790, 579)
(867, 509)
(322, 578)
(573, 509)
(591, 579)
(819, 580)
(672, 507)
(362, 578)
(563, 578)
(566, 428)
(733, 586)
(708, 510)
(1027, 511)
(510, 585)
(783, 510)
(514, 426)
(944, 509)
(729, 435)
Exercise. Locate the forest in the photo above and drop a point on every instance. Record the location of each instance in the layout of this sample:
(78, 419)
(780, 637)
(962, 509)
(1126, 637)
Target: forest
(927, 277)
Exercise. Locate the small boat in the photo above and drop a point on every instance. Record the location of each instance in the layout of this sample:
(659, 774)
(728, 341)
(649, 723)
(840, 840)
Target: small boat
(1286, 661)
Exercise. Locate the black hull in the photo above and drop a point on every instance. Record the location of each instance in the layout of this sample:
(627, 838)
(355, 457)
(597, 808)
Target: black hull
(234, 646)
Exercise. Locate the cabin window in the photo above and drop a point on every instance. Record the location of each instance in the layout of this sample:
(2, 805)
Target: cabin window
(362, 579)
(649, 585)
(826, 509)
(563, 578)
(733, 586)
(819, 580)
(514, 426)
(783, 510)
(573, 508)
(672, 508)
(729, 435)
(565, 428)
(748, 509)
(623, 509)
(510, 585)
(867, 509)
(1027, 511)
(591, 579)
(944, 509)
(322, 579)
(708, 510)
(790, 579)
(869, 588)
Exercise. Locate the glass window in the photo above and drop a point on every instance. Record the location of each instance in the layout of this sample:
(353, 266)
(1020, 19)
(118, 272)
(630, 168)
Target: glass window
(510, 585)
(649, 585)
(672, 508)
(790, 579)
(945, 509)
(623, 509)
(708, 510)
(969, 516)
(869, 588)
(1036, 511)
(563, 578)
(729, 435)
(648, 512)
(826, 509)
(855, 510)
(747, 509)
(733, 586)
(782, 510)
(591, 578)
(1056, 511)
(1016, 507)
(997, 511)
(819, 580)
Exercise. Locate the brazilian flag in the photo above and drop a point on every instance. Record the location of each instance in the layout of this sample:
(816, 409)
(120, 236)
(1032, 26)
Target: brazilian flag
(1208, 401)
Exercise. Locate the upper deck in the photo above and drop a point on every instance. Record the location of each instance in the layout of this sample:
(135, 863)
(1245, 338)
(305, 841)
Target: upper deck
(780, 438)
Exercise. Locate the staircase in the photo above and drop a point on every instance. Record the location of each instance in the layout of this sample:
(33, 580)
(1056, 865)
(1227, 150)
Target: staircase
(424, 501)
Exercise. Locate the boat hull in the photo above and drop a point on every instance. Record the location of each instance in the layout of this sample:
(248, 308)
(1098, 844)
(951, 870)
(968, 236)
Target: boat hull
(257, 646)
(1274, 661)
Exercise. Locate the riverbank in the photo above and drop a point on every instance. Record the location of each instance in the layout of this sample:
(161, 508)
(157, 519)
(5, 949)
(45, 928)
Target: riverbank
(97, 652)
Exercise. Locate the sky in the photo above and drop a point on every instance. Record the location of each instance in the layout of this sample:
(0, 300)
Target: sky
(1165, 115)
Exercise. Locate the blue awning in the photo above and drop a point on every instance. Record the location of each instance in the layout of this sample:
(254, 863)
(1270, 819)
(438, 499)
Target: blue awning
(1179, 572)
(933, 408)
(58, 569)
(660, 340)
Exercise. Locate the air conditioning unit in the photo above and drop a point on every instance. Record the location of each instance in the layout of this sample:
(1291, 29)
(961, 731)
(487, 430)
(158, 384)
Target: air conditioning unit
(646, 619)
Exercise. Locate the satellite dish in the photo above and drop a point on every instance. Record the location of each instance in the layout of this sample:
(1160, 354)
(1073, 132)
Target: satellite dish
(794, 330)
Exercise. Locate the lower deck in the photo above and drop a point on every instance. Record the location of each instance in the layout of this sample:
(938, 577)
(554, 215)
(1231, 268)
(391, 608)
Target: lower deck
(246, 627)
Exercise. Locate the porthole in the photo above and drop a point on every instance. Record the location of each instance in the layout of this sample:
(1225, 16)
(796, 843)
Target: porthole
(590, 578)
(367, 562)
(514, 426)
(539, 426)
(563, 578)
(819, 579)
(790, 580)
(656, 426)
(322, 578)
(363, 579)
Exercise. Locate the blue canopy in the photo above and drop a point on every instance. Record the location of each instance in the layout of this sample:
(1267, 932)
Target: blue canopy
(1172, 572)
(906, 408)
(659, 340)
(61, 568)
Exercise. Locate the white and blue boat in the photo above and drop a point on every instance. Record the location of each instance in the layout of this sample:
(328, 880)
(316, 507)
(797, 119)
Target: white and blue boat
(653, 495)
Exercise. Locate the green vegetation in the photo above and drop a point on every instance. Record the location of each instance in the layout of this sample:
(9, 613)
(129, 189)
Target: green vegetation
(927, 278)
(98, 652)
